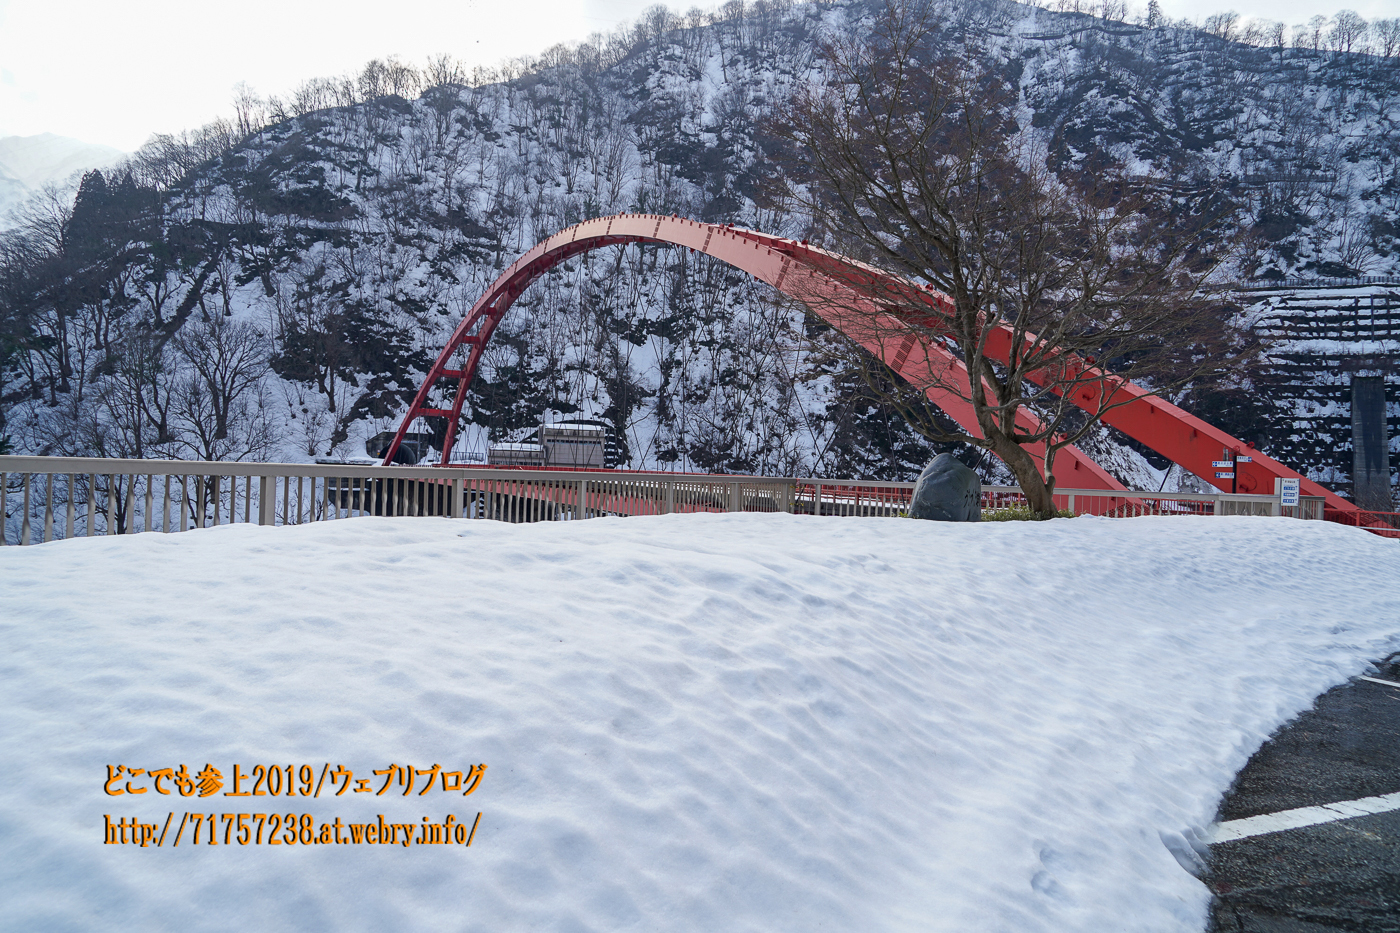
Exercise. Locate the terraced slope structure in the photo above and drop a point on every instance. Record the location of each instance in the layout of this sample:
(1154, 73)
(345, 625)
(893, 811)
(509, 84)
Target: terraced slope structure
(1331, 404)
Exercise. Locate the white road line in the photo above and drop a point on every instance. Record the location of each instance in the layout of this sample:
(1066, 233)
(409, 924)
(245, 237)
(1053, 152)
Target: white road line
(1388, 683)
(1304, 816)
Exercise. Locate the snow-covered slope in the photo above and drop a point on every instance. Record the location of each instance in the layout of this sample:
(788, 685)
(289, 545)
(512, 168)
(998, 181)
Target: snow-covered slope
(729, 722)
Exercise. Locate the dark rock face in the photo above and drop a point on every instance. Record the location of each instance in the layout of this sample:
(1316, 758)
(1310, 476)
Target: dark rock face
(947, 491)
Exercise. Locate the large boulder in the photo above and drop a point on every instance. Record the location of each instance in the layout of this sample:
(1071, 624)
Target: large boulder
(947, 491)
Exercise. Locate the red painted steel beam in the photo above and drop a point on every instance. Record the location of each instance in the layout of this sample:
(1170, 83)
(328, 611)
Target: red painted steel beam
(847, 294)
(1181, 437)
(832, 286)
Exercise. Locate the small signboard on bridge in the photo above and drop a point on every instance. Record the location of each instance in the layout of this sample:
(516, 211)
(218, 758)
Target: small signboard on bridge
(1230, 475)
(1288, 492)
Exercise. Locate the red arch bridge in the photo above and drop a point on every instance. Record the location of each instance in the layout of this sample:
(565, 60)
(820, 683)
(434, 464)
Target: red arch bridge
(852, 297)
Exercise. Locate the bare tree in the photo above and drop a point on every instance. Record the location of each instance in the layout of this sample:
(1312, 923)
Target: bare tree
(250, 110)
(401, 78)
(229, 359)
(138, 397)
(1222, 25)
(316, 94)
(1314, 33)
(1387, 34)
(1255, 32)
(909, 158)
(250, 430)
(1348, 29)
(445, 71)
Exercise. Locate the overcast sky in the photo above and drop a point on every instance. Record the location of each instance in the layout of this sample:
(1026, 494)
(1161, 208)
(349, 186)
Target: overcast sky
(116, 72)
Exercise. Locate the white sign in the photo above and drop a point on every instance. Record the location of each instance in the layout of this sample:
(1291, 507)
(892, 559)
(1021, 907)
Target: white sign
(1225, 475)
(1222, 463)
(1288, 492)
(1244, 459)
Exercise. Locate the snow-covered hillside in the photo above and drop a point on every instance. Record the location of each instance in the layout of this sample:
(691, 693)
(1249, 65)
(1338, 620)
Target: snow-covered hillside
(711, 722)
(340, 245)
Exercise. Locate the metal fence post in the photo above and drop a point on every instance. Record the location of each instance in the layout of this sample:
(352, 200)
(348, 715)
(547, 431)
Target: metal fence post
(111, 504)
(24, 521)
(48, 508)
(733, 497)
(267, 500)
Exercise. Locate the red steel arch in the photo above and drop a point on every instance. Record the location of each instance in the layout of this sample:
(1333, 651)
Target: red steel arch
(847, 295)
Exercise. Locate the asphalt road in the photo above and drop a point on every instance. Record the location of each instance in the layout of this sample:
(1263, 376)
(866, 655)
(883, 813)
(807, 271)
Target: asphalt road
(1340, 875)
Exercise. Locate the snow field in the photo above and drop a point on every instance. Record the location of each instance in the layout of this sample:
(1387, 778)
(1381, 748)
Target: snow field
(737, 722)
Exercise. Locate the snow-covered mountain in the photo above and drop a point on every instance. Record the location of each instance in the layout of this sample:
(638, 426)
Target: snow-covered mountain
(27, 163)
(335, 248)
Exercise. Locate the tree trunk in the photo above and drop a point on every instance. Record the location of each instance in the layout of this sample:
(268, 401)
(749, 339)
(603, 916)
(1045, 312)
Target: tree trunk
(1039, 494)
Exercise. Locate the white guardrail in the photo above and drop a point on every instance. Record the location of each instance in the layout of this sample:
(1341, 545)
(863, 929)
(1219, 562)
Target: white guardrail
(49, 498)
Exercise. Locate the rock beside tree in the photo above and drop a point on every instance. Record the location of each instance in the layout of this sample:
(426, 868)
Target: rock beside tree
(947, 491)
